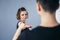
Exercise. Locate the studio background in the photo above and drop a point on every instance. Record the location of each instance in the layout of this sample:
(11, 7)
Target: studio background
(8, 21)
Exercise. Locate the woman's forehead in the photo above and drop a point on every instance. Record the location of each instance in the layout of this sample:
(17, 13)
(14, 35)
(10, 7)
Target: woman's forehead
(23, 12)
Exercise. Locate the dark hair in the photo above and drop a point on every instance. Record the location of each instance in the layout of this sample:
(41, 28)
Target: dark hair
(19, 11)
(49, 5)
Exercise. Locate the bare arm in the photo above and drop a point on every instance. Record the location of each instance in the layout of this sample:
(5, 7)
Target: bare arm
(18, 31)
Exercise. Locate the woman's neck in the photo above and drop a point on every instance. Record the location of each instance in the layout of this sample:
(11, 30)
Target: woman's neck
(48, 20)
(22, 21)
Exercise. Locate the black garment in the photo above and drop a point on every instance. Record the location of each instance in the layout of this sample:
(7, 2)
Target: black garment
(17, 24)
(44, 33)
(25, 35)
(41, 33)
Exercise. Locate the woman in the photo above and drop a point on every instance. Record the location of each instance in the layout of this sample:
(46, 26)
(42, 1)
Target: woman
(21, 15)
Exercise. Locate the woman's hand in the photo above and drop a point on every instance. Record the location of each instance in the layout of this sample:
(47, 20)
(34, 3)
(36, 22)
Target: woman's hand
(23, 25)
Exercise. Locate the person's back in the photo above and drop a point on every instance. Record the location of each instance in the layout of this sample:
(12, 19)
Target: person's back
(45, 33)
(49, 28)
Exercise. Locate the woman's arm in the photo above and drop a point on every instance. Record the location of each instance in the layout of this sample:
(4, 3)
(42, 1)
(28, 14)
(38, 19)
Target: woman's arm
(18, 31)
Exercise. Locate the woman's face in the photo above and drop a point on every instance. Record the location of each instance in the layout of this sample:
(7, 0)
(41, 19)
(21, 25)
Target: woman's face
(23, 15)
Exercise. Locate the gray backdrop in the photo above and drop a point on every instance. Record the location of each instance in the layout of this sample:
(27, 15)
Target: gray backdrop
(8, 9)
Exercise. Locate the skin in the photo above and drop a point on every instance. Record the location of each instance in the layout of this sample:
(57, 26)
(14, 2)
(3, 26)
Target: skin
(23, 16)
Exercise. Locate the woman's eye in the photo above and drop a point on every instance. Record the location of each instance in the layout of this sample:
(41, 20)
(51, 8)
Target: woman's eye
(26, 14)
(22, 14)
